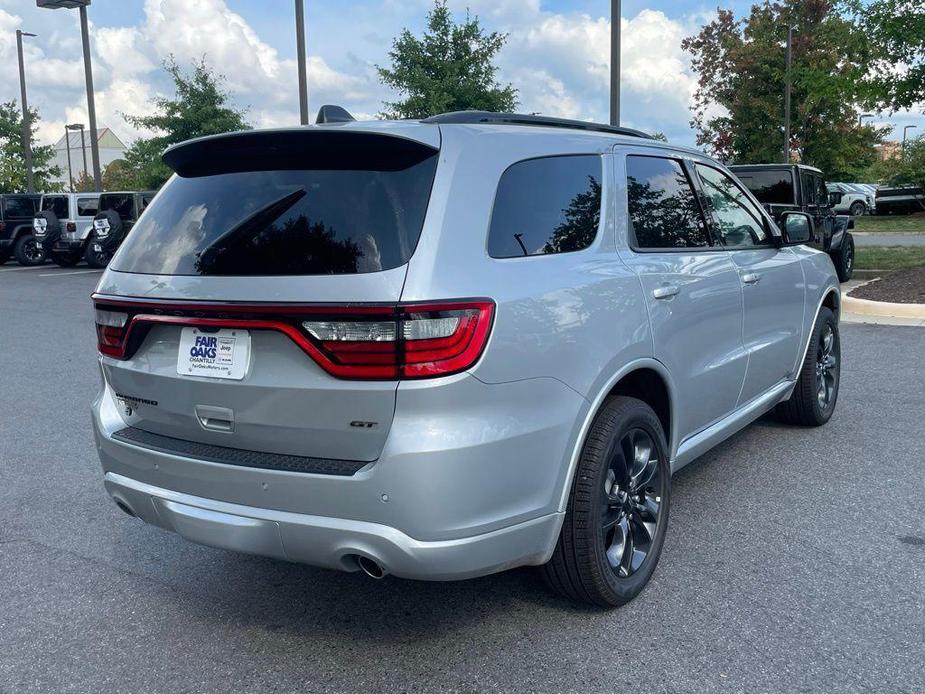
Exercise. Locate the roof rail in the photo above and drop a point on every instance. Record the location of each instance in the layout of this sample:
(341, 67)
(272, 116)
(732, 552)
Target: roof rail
(488, 117)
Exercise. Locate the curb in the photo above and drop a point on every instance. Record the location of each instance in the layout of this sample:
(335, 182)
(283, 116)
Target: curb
(886, 309)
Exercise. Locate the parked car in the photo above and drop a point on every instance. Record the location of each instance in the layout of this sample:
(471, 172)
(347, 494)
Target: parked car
(847, 198)
(788, 187)
(16, 239)
(900, 199)
(63, 223)
(443, 348)
(117, 214)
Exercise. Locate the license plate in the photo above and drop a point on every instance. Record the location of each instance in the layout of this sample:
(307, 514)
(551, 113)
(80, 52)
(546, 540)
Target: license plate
(220, 354)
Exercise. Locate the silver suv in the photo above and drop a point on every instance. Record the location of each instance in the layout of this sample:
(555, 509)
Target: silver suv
(449, 347)
(63, 223)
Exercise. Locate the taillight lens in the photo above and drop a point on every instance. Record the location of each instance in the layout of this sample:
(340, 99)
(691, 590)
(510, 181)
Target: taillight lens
(418, 341)
(354, 342)
(110, 332)
(71, 227)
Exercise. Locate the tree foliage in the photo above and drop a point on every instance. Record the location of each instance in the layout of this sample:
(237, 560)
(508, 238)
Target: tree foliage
(12, 161)
(199, 107)
(450, 68)
(897, 32)
(906, 169)
(739, 104)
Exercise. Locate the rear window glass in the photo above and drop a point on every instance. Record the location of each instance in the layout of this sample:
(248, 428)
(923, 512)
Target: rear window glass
(770, 187)
(87, 207)
(122, 205)
(57, 204)
(19, 207)
(282, 222)
(547, 205)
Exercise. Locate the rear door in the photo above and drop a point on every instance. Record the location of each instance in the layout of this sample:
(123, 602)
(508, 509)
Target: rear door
(691, 286)
(771, 277)
(323, 224)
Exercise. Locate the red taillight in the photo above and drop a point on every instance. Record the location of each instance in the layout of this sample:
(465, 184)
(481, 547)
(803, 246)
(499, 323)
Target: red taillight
(2, 227)
(71, 227)
(356, 342)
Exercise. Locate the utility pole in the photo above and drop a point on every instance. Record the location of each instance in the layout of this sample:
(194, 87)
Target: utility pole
(26, 121)
(787, 96)
(70, 171)
(300, 50)
(615, 14)
(905, 130)
(862, 116)
(91, 105)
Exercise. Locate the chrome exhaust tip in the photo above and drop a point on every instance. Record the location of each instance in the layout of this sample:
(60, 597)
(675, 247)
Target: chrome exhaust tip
(371, 568)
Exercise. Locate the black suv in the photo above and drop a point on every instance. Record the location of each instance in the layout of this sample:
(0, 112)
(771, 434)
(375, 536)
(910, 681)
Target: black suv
(16, 214)
(117, 214)
(786, 187)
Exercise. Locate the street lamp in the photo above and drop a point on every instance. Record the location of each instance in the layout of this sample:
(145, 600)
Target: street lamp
(862, 116)
(88, 73)
(300, 50)
(615, 14)
(905, 130)
(83, 144)
(26, 124)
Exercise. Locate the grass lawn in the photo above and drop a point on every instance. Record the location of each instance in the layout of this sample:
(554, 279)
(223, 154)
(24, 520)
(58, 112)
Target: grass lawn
(903, 224)
(888, 257)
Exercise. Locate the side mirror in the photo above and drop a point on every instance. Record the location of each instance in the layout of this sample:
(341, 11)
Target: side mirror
(835, 198)
(797, 228)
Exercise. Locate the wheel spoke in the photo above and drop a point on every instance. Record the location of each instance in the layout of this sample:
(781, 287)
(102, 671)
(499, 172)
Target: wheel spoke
(617, 548)
(626, 559)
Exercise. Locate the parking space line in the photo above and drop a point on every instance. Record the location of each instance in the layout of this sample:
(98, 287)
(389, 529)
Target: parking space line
(75, 272)
(20, 269)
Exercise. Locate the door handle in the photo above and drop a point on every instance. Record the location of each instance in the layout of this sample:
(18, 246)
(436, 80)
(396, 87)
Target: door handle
(751, 278)
(665, 292)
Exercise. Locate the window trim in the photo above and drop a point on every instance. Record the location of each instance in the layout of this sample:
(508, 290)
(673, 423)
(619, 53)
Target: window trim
(763, 221)
(686, 167)
(601, 223)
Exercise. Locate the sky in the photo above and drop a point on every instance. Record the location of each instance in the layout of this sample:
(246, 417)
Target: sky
(557, 56)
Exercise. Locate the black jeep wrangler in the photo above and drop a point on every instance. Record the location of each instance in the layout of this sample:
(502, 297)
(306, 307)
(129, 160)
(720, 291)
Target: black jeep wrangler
(117, 214)
(785, 187)
(16, 214)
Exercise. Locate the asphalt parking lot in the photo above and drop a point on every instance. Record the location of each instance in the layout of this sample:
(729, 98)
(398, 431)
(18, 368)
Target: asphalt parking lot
(795, 561)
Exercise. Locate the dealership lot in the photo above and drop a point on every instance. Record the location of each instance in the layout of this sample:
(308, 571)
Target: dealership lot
(795, 560)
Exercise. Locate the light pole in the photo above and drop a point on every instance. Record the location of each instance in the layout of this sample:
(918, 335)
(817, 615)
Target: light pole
(70, 171)
(300, 50)
(88, 74)
(26, 124)
(905, 130)
(862, 116)
(789, 59)
(615, 14)
(83, 144)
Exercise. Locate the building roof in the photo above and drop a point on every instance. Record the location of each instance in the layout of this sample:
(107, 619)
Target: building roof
(106, 139)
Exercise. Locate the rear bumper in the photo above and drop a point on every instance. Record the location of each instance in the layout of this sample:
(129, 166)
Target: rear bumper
(468, 484)
(333, 543)
(67, 245)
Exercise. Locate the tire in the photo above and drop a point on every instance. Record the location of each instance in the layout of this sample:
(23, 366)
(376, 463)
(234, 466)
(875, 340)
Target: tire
(28, 251)
(96, 259)
(821, 371)
(858, 209)
(843, 259)
(590, 563)
(52, 229)
(65, 259)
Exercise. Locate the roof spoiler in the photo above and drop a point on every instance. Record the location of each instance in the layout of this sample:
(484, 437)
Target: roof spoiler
(333, 114)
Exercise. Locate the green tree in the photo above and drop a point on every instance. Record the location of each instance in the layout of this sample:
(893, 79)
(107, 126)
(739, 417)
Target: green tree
(906, 169)
(12, 161)
(739, 105)
(897, 32)
(450, 68)
(199, 107)
(83, 183)
(119, 175)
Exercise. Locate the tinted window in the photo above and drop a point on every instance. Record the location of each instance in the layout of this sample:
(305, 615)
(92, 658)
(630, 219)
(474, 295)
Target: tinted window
(737, 218)
(770, 187)
(822, 196)
(809, 188)
(663, 208)
(87, 207)
(57, 204)
(123, 205)
(19, 207)
(291, 222)
(550, 205)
